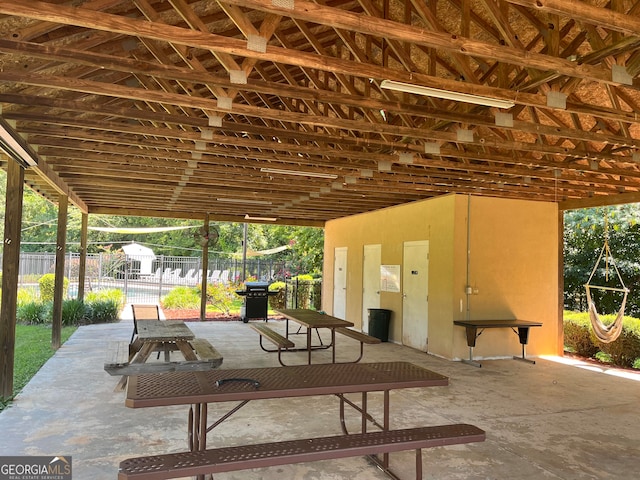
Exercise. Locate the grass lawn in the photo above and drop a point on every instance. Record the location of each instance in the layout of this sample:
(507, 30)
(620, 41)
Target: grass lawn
(33, 349)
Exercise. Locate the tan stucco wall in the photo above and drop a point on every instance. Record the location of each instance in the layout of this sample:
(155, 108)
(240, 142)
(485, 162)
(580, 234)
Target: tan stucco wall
(513, 261)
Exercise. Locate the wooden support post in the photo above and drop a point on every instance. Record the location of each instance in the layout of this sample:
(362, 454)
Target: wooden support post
(205, 267)
(58, 289)
(82, 267)
(10, 271)
(560, 341)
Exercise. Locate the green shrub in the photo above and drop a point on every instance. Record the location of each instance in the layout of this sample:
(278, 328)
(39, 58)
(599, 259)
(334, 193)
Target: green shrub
(222, 296)
(27, 295)
(626, 349)
(603, 357)
(579, 338)
(47, 286)
(114, 295)
(102, 311)
(316, 295)
(277, 286)
(33, 313)
(305, 277)
(182, 297)
(280, 299)
(73, 312)
(577, 334)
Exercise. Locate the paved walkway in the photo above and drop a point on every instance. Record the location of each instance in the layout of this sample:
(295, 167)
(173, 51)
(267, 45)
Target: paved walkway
(545, 421)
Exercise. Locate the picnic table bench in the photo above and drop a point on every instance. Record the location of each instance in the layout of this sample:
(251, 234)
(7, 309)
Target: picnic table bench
(199, 389)
(274, 337)
(119, 359)
(244, 457)
(360, 337)
(282, 343)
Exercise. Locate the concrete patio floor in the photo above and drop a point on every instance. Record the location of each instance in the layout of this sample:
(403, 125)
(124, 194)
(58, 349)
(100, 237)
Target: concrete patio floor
(551, 420)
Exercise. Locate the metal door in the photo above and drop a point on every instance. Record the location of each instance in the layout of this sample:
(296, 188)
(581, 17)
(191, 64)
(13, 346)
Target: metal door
(340, 282)
(415, 294)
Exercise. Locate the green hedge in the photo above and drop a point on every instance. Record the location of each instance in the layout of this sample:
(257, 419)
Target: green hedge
(182, 297)
(580, 339)
(47, 286)
(279, 300)
(100, 307)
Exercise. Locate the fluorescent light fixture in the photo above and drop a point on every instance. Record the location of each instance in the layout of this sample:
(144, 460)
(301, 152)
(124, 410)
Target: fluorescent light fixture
(15, 146)
(264, 219)
(243, 200)
(445, 94)
(299, 173)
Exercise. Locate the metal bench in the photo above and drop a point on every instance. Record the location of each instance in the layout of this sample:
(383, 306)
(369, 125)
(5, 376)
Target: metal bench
(228, 459)
(274, 337)
(118, 361)
(360, 337)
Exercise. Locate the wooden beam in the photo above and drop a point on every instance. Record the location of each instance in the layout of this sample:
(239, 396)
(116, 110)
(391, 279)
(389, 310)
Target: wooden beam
(58, 292)
(329, 16)
(600, 201)
(338, 18)
(82, 267)
(10, 271)
(205, 269)
(560, 295)
(584, 12)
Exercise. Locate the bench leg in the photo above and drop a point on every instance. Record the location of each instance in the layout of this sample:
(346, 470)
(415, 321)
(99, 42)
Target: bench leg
(280, 357)
(388, 472)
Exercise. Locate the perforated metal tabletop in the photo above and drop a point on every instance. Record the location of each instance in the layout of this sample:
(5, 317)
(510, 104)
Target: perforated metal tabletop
(180, 388)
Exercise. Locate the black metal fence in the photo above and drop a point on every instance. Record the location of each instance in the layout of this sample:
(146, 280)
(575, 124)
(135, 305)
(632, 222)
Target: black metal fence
(147, 279)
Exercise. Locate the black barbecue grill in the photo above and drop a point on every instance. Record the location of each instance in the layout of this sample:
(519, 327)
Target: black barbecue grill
(256, 300)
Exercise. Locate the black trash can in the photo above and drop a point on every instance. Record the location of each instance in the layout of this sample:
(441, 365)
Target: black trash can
(379, 320)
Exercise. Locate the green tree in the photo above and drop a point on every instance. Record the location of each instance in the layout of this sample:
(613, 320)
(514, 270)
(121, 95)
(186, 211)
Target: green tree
(40, 219)
(584, 235)
(306, 247)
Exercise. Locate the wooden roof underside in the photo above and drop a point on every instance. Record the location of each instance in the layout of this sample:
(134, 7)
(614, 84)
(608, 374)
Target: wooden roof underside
(174, 108)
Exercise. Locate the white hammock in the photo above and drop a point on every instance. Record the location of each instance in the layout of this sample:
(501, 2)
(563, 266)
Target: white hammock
(606, 333)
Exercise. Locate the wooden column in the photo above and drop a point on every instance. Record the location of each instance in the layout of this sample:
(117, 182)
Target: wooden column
(205, 266)
(10, 270)
(560, 342)
(82, 267)
(58, 289)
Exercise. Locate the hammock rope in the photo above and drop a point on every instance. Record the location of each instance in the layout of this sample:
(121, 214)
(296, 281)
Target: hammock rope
(606, 333)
